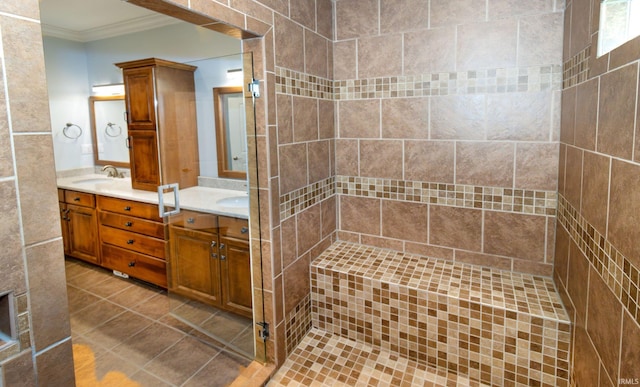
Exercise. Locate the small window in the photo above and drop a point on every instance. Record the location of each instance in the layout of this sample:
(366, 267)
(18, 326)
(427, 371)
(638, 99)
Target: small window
(619, 23)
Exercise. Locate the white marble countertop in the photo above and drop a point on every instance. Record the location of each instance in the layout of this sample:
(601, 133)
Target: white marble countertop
(202, 199)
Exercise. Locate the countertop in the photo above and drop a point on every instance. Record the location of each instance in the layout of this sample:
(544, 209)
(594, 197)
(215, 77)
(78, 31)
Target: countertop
(201, 199)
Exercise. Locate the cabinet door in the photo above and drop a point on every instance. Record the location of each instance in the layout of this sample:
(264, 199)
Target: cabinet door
(83, 233)
(140, 98)
(236, 276)
(143, 158)
(194, 265)
(64, 224)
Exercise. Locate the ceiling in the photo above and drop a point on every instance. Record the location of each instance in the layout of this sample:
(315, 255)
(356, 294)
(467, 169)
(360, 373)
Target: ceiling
(87, 20)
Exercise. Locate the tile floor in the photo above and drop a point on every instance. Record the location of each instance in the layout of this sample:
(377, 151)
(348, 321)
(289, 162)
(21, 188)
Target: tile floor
(140, 331)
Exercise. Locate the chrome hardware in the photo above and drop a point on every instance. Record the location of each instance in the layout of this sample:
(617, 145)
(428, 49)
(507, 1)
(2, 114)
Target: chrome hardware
(128, 224)
(254, 88)
(127, 208)
(244, 230)
(130, 241)
(191, 220)
(213, 243)
(222, 245)
(264, 330)
(214, 255)
(113, 171)
(132, 263)
(223, 257)
(76, 199)
(176, 196)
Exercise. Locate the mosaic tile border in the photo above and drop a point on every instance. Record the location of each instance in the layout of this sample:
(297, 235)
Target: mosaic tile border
(297, 324)
(11, 348)
(296, 83)
(303, 198)
(497, 80)
(372, 367)
(576, 69)
(457, 195)
(622, 278)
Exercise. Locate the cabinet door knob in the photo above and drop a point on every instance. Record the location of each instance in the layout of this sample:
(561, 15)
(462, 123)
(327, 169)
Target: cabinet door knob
(128, 224)
(213, 243)
(244, 230)
(132, 263)
(191, 220)
(130, 242)
(222, 245)
(214, 255)
(76, 199)
(127, 208)
(223, 257)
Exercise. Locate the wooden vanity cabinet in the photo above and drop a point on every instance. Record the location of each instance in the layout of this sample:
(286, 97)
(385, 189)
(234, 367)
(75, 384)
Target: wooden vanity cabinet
(79, 225)
(133, 239)
(210, 261)
(161, 122)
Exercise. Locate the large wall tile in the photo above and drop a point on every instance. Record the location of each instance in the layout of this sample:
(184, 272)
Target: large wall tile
(586, 364)
(40, 215)
(289, 243)
(296, 282)
(604, 316)
(324, 22)
(629, 354)
(519, 116)
(578, 280)
(573, 179)
(406, 221)
(429, 51)
(537, 166)
(284, 105)
(319, 161)
(305, 119)
(55, 365)
(304, 12)
(502, 9)
(347, 163)
(309, 228)
(586, 115)
(326, 117)
(458, 117)
(27, 9)
(515, 235)
(289, 44)
(359, 119)
(451, 12)
(580, 25)
(595, 190)
(568, 115)
(617, 111)
(380, 56)
(561, 261)
(624, 205)
(356, 18)
(344, 60)
(403, 15)
(6, 154)
(405, 118)
(316, 54)
(489, 260)
(538, 42)
(11, 261)
(381, 159)
(431, 161)
(328, 214)
(484, 163)
(48, 294)
(487, 45)
(455, 227)
(293, 171)
(361, 215)
(19, 371)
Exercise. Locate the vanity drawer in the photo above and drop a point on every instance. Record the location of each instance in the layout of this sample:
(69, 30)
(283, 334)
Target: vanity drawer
(132, 241)
(233, 227)
(80, 198)
(196, 221)
(135, 264)
(130, 223)
(128, 207)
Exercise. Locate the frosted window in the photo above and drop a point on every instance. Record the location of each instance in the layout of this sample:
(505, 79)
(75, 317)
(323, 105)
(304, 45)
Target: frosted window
(619, 23)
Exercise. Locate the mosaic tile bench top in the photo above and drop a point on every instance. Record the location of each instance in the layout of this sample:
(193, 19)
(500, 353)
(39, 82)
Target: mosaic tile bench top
(516, 292)
(322, 359)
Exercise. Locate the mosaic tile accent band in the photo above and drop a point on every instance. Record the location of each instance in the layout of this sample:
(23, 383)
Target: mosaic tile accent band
(23, 341)
(576, 69)
(297, 324)
(327, 354)
(305, 85)
(499, 80)
(458, 195)
(490, 325)
(303, 198)
(616, 270)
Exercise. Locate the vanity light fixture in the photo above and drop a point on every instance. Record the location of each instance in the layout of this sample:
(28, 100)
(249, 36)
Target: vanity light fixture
(110, 89)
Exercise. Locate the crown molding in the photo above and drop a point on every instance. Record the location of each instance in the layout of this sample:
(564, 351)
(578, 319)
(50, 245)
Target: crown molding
(111, 30)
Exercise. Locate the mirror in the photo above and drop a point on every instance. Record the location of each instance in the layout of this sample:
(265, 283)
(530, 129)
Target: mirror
(109, 127)
(231, 138)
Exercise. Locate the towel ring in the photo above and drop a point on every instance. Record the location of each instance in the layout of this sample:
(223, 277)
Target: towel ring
(109, 127)
(69, 124)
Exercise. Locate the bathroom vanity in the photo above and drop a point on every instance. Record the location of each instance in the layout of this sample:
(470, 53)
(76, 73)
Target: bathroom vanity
(201, 253)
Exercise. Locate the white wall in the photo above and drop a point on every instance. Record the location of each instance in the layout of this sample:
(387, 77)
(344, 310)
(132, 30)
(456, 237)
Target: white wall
(72, 68)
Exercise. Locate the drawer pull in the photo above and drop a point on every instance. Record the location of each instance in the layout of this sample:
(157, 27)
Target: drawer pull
(223, 257)
(222, 245)
(130, 242)
(191, 220)
(132, 263)
(128, 224)
(214, 255)
(213, 243)
(244, 230)
(127, 208)
(76, 199)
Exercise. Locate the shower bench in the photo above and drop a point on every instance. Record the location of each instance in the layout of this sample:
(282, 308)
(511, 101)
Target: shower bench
(491, 326)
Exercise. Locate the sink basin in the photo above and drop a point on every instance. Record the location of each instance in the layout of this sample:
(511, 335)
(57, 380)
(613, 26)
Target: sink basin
(93, 180)
(234, 201)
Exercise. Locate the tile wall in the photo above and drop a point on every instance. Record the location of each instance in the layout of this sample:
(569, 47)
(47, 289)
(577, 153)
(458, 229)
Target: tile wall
(447, 131)
(597, 250)
(37, 344)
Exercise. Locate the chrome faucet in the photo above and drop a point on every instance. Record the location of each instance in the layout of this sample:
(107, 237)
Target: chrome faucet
(113, 172)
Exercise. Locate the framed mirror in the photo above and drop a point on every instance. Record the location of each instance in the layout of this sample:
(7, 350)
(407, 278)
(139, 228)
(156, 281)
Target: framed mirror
(231, 137)
(109, 126)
